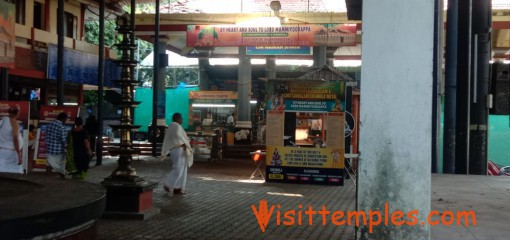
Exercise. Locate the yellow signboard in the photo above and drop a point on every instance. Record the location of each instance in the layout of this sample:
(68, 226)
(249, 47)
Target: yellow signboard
(305, 157)
(213, 95)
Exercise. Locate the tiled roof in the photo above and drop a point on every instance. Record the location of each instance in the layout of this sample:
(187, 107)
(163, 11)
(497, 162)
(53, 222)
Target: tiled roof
(324, 73)
(260, 6)
(244, 6)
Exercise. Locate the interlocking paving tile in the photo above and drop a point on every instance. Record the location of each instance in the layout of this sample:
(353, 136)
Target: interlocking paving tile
(217, 205)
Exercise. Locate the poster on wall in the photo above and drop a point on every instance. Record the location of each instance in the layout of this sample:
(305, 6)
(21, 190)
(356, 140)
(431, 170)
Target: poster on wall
(336, 120)
(23, 118)
(46, 116)
(274, 128)
(7, 35)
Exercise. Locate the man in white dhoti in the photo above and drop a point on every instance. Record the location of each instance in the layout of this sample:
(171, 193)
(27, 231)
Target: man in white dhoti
(177, 146)
(10, 143)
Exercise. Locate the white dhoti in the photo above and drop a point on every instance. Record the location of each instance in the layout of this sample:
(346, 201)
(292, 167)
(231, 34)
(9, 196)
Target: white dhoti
(176, 178)
(57, 162)
(9, 161)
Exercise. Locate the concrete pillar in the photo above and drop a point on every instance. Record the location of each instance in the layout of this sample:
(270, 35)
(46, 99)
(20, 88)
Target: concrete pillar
(161, 85)
(396, 113)
(331, 62)
(271, 67)
(243, 86)
(319, 56)
(203, 63)
(330, 56)
(243, 95)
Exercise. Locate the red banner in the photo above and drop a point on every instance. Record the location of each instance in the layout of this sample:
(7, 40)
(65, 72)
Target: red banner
(24, 110)
(288, 35)
(50, 113)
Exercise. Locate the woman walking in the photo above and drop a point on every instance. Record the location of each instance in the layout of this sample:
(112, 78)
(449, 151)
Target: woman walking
(81, 149)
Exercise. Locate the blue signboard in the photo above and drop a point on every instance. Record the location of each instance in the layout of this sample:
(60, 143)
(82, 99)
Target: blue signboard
(310, 106)
(278, 50)
(81, 67)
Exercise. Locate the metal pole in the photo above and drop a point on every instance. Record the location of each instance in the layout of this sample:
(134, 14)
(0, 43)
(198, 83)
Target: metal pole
(463, 87)
(132, 23)
(348, 109)
(132, 68)
(450, 87)
(100, 84)
(437, 78)
(480, 112)
(138, 60)
(60, 53)
(155, 76)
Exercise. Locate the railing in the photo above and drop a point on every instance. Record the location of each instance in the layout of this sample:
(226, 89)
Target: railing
(36, 35)
(144, 147)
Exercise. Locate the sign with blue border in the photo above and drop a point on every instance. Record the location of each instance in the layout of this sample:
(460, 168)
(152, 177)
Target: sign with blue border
(278, 50)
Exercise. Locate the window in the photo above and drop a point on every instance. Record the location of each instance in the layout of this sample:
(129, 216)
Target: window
(39, 16)
(70, 25)
(20, 12)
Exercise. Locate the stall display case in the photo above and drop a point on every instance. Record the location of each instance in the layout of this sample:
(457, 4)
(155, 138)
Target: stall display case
(205, 145)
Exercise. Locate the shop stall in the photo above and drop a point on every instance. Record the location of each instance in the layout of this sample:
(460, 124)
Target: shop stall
(305, 131)
(208, 120)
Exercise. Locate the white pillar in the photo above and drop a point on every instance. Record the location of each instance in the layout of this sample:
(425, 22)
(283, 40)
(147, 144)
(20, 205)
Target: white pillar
(396, 112)
(243, 87)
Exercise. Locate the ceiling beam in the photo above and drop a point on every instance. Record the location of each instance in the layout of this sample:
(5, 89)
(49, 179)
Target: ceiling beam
(204, 19)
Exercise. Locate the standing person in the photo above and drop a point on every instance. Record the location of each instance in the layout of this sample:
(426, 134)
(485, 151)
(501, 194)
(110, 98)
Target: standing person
(56, 140)
(10, 143)
(176, 145)
(32, 134)
(81, 149)
(231, 120)
(91, 125)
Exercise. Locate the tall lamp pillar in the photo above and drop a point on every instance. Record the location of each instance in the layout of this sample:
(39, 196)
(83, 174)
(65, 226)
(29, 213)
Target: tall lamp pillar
(128, 196)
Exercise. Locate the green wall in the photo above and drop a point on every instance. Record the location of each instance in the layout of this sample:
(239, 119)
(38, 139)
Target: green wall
(499, 140)
(177, 100)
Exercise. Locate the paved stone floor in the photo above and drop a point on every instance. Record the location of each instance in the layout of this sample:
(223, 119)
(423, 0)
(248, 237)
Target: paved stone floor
(217, 205)
(219, 197)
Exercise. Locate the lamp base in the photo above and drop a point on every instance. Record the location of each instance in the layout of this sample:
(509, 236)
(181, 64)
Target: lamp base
(129, 200)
